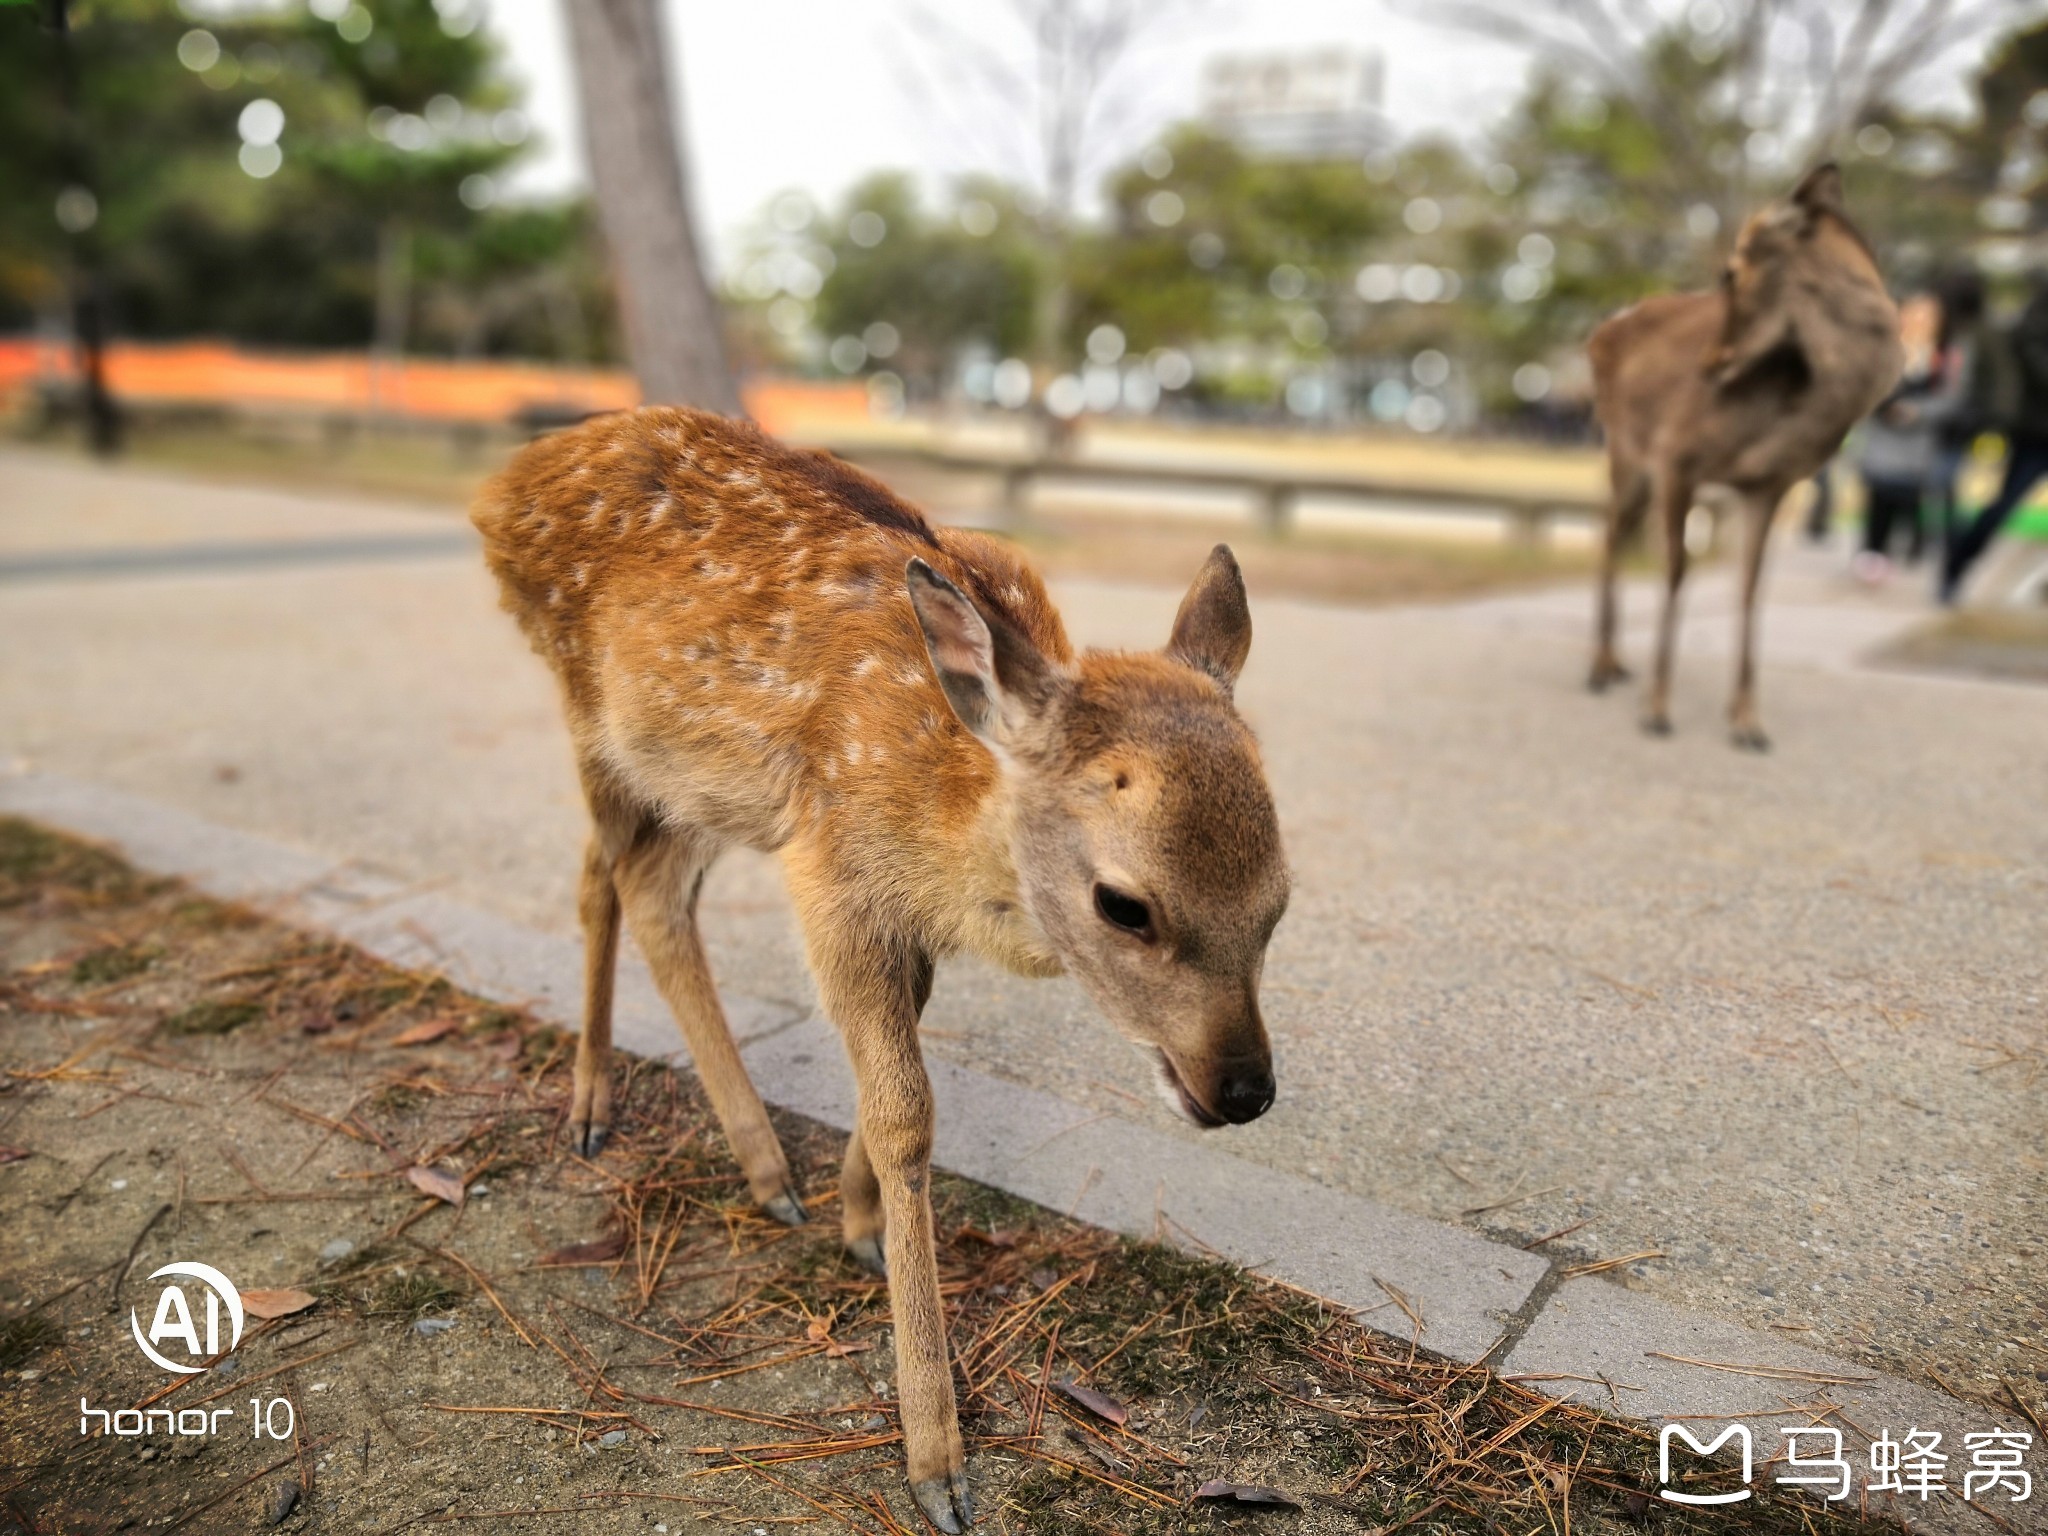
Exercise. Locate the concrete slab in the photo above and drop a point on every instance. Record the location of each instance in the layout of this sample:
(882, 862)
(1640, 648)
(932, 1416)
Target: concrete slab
(1616, 1350)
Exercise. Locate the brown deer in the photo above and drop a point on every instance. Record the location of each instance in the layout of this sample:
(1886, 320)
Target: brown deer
(764, 647)
(1750, 388)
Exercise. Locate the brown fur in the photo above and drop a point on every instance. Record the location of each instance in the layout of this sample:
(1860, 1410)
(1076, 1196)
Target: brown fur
(1751, 388)
(764, 647)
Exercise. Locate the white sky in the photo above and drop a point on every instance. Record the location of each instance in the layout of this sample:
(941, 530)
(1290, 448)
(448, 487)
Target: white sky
(808, 93)
(811, 93)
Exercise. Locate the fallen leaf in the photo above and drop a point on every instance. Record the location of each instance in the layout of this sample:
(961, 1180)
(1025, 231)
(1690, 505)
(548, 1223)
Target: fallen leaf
(1101, 1406)
(426, 1032)
(992, 1239)
(14, 1154)
(602, 1251)
(432, 1181)
(838, 1351)
(1219, 1491)
(269, 1304)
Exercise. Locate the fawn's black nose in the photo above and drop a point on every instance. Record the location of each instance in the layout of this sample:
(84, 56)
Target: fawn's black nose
(1245, 1096)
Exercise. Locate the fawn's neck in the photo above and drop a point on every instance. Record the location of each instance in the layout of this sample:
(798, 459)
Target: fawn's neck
(981, 905)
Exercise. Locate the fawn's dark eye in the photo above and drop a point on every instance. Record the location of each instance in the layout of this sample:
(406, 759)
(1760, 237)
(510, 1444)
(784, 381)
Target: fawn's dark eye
(1125, 912)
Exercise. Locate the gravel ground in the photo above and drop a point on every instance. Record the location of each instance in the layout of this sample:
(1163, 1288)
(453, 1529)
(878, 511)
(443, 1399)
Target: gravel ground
(1776, 1021)
(452, 1322)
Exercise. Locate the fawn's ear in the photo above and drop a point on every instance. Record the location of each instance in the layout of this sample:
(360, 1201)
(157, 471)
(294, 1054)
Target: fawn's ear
(993, 676)
(1819, 190)
(1213, 630)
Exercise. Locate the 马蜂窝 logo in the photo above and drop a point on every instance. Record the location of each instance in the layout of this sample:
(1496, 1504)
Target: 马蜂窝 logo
(175, 1319)
(1736, 1432)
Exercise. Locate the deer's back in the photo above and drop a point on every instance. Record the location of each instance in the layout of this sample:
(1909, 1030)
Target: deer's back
(729, 622)
(1649, 366)
(1780, 420)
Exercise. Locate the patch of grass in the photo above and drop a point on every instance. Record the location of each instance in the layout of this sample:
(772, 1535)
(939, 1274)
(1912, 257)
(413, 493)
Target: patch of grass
(32, 861)
(398, 1099)
(198, 914)
(214, 1017)
(412, 1295)
(1244, 1323)
(23, 1338)
(116, 962)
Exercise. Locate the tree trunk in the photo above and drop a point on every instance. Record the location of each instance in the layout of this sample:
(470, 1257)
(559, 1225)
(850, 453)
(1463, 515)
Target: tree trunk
(632, 136)
(88, 289)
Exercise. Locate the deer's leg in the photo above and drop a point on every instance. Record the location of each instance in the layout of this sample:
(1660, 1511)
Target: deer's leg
(659, 881)
(873, 989)
(1674, 501)
(860, 1208)
(597, 905)
(862, 1224)
(1624, 517)
(1744, 728)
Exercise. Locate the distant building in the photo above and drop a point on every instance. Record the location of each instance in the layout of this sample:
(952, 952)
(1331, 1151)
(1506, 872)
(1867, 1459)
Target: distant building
(1324, 105)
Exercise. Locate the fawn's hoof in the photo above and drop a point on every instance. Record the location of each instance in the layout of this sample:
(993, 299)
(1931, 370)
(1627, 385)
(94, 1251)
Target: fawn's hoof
(1750, 738)
(787, 1209)
(867, 1253)
(1656, 725)
(587, 1139)
(1604, 675)
(945, 1501)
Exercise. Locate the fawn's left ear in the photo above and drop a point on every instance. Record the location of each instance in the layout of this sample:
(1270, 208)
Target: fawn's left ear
(993, 676)
(1820, 189)
(1213, 630)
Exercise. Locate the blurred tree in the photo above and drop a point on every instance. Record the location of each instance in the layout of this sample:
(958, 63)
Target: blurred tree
(1788, 82)
(888, 283)
(633, 135)
(1203, 241)
(250, 169)
(1044, 102)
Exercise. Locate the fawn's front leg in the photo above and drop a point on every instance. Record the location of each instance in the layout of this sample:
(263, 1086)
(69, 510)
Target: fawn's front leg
(875, 991)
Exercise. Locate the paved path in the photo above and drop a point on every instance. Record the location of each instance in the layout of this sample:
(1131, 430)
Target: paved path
(1745, 1012)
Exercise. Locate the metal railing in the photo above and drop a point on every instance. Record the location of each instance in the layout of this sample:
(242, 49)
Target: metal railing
(1276, 491)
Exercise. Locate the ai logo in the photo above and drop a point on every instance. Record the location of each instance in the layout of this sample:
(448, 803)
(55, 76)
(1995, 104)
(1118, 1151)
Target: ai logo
(174, 1318)
(1679, 1431)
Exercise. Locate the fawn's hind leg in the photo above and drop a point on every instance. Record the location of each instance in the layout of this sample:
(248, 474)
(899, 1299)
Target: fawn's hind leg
(597, 905)
(658, 880)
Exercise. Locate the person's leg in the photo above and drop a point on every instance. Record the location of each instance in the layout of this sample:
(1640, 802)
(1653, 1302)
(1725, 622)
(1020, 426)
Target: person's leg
(1940, 501)
(1820, 512)
(2026, 463)
(1890, 509)
(1878, 501)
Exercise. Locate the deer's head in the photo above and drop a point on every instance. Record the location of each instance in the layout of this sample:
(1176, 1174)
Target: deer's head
(1788, 257)
(1143, 833)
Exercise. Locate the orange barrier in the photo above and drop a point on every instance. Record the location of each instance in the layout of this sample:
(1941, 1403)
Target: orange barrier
(425, 389)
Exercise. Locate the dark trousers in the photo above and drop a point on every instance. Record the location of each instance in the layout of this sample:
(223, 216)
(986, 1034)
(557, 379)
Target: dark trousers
(1891, 505)
(1820, 516)
(2025, 466)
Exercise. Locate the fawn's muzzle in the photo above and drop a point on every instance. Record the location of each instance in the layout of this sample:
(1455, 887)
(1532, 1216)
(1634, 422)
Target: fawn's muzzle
(1243, 1096)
